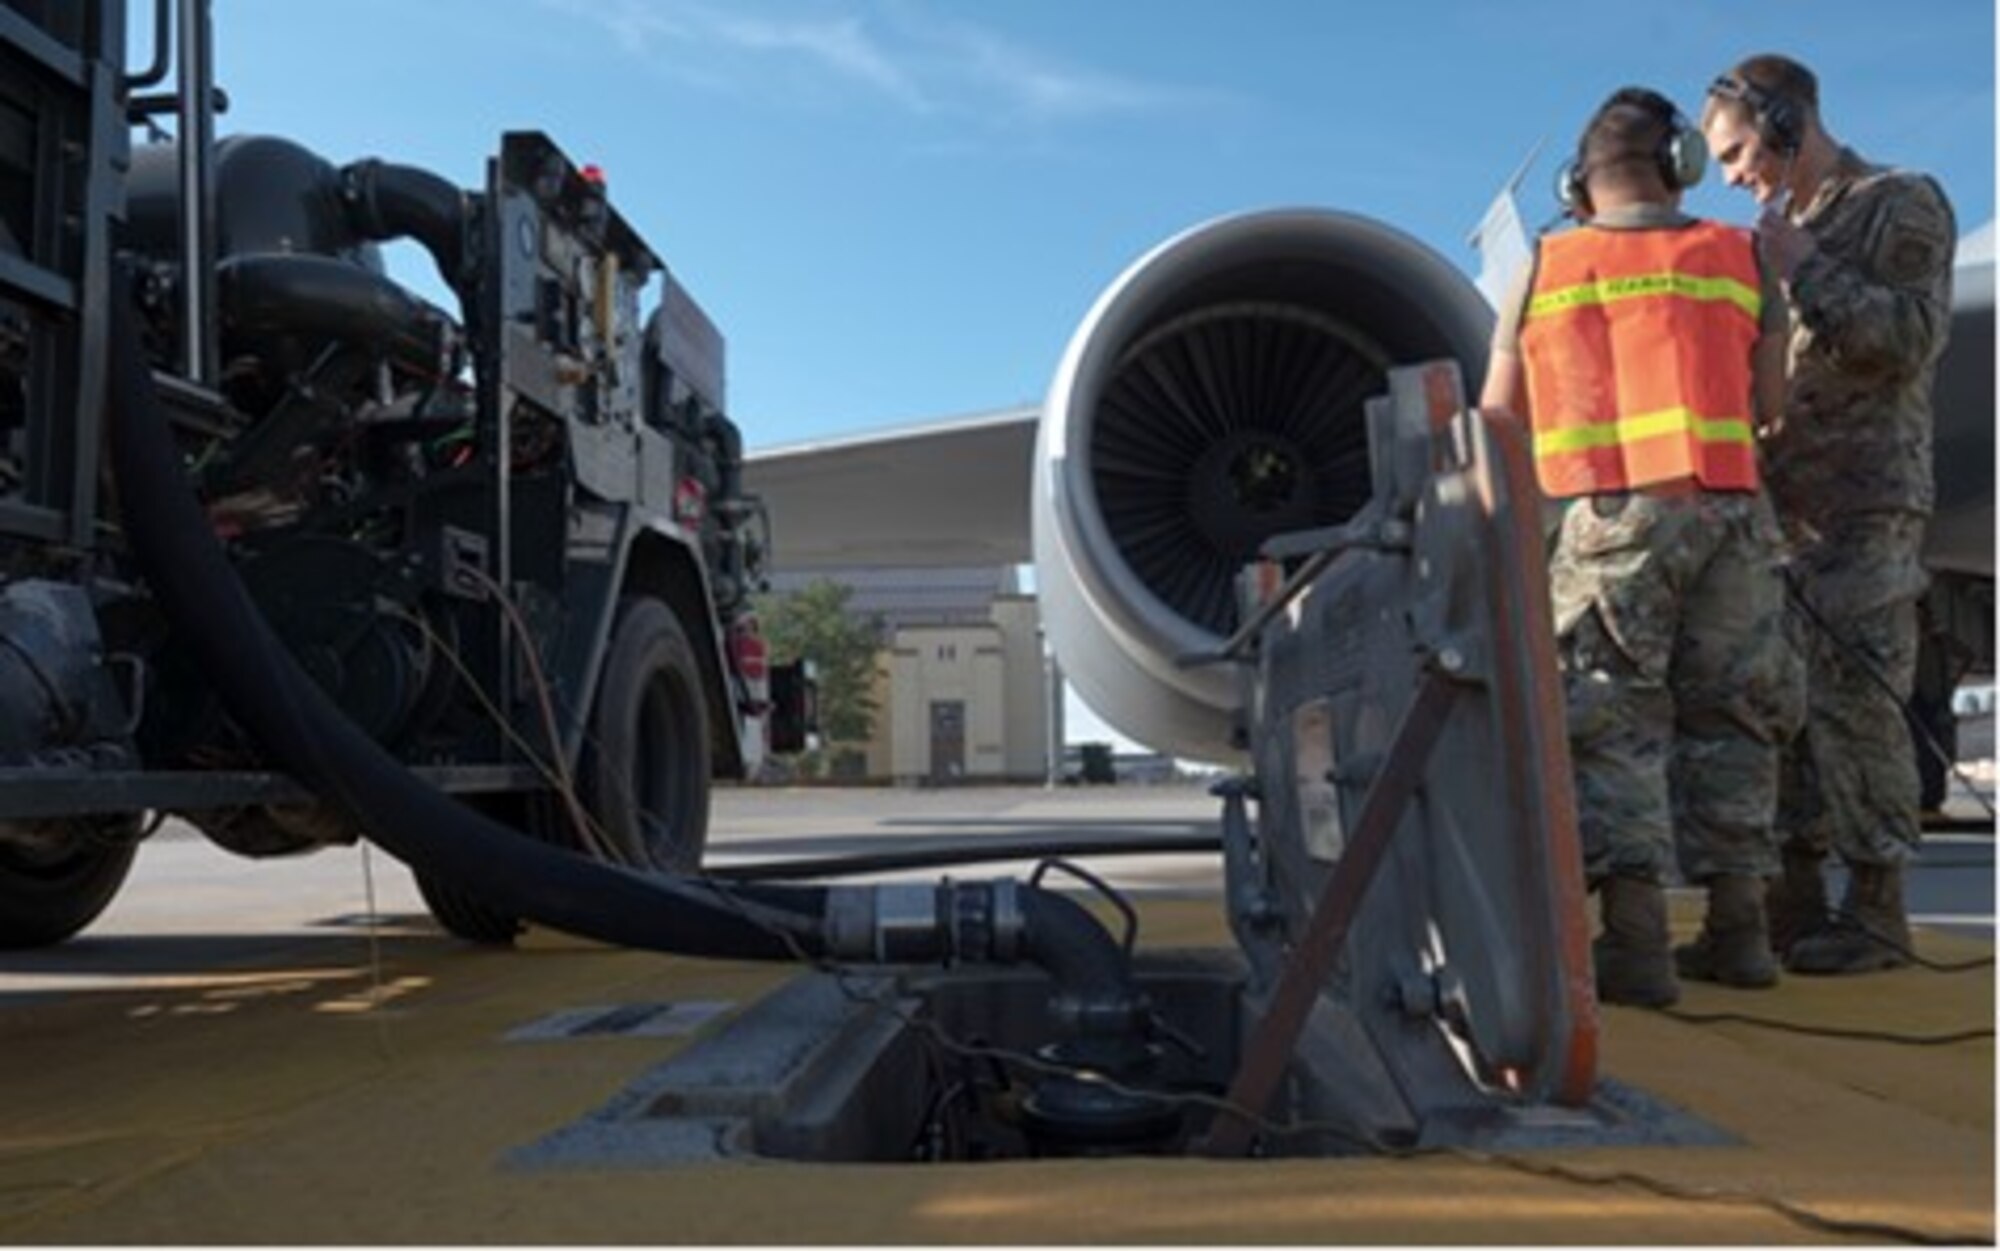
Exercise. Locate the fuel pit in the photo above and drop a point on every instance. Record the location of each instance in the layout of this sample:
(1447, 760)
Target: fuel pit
(928, 1066)
(957, 1066)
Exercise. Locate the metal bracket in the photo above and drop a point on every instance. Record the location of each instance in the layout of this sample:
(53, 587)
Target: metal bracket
(1320, 548)
(1276, 1036)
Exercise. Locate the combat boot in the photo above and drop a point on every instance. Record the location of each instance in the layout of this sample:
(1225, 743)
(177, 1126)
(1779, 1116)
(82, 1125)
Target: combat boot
(1631, 958)
(1797, 900)
(1734, 946)
(1873, 934)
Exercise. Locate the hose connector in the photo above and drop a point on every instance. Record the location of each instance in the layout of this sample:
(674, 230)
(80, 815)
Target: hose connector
(942, 922)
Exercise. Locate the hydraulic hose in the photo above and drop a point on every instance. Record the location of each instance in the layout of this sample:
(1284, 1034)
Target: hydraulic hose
(387, 201)
(318, 296)
(728, 441)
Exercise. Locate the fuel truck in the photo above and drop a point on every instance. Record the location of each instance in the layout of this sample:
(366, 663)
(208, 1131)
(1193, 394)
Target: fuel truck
(508, 541)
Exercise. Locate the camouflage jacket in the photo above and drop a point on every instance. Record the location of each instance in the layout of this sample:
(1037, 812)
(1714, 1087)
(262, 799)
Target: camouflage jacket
(1871, 312)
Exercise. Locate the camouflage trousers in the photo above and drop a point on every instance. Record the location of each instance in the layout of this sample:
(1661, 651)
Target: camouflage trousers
(1681, 685)
(1849, 780)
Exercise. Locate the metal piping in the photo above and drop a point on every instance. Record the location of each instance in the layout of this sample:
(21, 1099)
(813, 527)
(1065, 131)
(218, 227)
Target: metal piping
(197, 185)
(156, 72)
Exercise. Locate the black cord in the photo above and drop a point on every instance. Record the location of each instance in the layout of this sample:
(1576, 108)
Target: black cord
(1866, 664)
(1841, 918)
(1873, 1230)
(1827, 1031)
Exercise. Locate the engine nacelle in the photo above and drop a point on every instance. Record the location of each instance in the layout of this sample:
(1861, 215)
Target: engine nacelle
(1211, 398)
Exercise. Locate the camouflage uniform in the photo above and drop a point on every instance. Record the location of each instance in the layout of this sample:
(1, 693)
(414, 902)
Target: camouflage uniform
(1849, 468)
(1681, 687)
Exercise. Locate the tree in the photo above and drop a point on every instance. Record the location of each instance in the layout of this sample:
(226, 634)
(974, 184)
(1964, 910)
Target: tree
(813, 624)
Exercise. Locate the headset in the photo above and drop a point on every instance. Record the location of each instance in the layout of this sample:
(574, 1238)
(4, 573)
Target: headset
(1681, 157)
(1777, 118)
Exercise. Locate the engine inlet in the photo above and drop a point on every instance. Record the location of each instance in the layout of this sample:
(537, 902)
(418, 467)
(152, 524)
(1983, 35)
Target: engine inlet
(1212, 398)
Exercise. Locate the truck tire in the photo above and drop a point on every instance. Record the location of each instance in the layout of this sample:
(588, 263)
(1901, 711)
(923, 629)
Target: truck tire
(645, 769)
(44, 900)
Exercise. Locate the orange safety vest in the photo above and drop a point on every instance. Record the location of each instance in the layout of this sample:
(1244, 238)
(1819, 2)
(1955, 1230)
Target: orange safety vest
(1637, 345)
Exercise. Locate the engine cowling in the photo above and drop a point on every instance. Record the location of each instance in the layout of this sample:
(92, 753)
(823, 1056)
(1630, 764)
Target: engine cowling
(1212, 397)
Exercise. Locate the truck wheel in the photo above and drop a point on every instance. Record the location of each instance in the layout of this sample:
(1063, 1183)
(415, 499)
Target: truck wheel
(46, 898)
(645, 771)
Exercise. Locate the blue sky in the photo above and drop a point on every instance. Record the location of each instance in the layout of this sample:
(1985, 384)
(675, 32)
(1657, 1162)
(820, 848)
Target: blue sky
(898, 211)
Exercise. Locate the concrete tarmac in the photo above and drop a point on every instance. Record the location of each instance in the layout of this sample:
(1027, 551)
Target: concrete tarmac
(290, 1052)
(189, 905)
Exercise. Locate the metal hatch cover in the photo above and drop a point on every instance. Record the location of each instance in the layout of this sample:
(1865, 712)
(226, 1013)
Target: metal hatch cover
(1435, 974)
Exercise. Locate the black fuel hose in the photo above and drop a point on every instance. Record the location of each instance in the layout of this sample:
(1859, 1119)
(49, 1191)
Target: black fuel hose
(293, 720)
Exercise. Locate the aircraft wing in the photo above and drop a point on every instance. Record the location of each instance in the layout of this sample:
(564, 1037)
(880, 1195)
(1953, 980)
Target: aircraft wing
(948, 494)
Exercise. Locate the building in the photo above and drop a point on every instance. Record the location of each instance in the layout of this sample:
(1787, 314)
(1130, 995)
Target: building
(964, 691)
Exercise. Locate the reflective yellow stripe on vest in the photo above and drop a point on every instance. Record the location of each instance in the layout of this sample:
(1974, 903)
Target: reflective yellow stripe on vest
(1607, 290)
(1644, 426)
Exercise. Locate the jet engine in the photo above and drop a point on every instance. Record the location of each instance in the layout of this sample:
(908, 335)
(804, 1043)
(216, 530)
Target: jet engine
(1211, 399)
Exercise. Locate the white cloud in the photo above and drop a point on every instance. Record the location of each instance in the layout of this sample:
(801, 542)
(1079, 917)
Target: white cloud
(843, 46)
(1031, 83)
(923, 64)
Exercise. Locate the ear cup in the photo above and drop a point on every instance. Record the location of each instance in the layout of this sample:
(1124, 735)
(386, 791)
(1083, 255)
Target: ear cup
(1685, 158)
(1572, 192)
(1681, 157)
(1777, 121)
